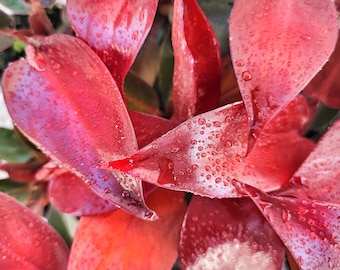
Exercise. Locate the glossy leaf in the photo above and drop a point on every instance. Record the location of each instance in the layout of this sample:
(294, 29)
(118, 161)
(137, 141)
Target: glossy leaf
(228, 234)
(28, 242)
(197, 67)
(309, 229)
(325, 85)
(68, 104)
(276, 50)
(318, 177)
(115, 29)
(70, 194)
(122, 241)
(204, 154)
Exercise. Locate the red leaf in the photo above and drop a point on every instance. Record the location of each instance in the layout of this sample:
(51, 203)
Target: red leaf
(203, 154)
(228, 234)
(68, 104)
(149, 127)
(197, 67)
(115, 29)
(309, 229)
(122, 241)
(277, 47)
(318, 177)
(325, 85)
(70, 194)
(26, 241)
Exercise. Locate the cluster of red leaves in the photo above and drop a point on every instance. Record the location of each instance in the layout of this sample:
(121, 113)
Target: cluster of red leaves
(259, 186)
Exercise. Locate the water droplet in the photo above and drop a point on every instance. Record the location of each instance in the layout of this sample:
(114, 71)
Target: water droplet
(148, 214)
(201, 121)
(239, 63)
(313, 236)
(107, 190)
(308, 251)
(246, 75)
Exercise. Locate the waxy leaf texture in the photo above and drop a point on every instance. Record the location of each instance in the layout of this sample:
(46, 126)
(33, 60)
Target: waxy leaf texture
(197, 67)
(276, 49)
(60, 99)
(26, 241)
(115, 29)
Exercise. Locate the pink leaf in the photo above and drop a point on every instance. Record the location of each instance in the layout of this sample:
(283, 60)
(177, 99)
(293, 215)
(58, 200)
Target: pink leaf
(26, 241)
(277, 47)
(309, 229)
(70, 194)
(197, 67)
(68, 104)
(228, 234)
(203, 154)
(318, 177)
(121, 241)
(115, 29)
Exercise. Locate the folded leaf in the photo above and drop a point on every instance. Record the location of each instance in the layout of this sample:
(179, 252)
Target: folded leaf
(309, 229)
(318, 177)
(228, 234)
(197, 67)
(121, 241)
(28, 242)
(115, 29)
(276, 50)
(204, 154)
(68, 104)
(69, 194)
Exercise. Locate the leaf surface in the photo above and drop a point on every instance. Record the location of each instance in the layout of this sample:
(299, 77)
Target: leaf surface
(197, 67)
(115, 29)
(68, 104)
(121, 241)
(228, 234)
(277, 47)
(28, 242)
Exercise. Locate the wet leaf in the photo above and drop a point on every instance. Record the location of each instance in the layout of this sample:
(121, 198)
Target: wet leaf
(197, 66)
(69, 194)
(11, 149)
(318, 177)
(153, 244)
(28, 242)
(275, 48)
(140, 96)
(204, 154)
(116, 30)
(68, 104)
(228, 234)
(309, 229)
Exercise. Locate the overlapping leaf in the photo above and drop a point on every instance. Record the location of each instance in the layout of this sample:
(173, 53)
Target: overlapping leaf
(27, 242)
(276, 50)
(71, 108)
(203, 154)
(309, 229)
(197, 67)
(115, 29)
(122, 241)
(318, 177)
(228, 234)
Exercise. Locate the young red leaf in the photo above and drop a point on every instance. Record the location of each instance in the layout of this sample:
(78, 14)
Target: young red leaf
(325, 85)
(122, 241)
(228, 234)
(26, 241)
(309, 229)
(203, 154)
(115, 29)
(197, 67)
(277, 47)
(69, 194)
(318, 177)
(68, 104)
